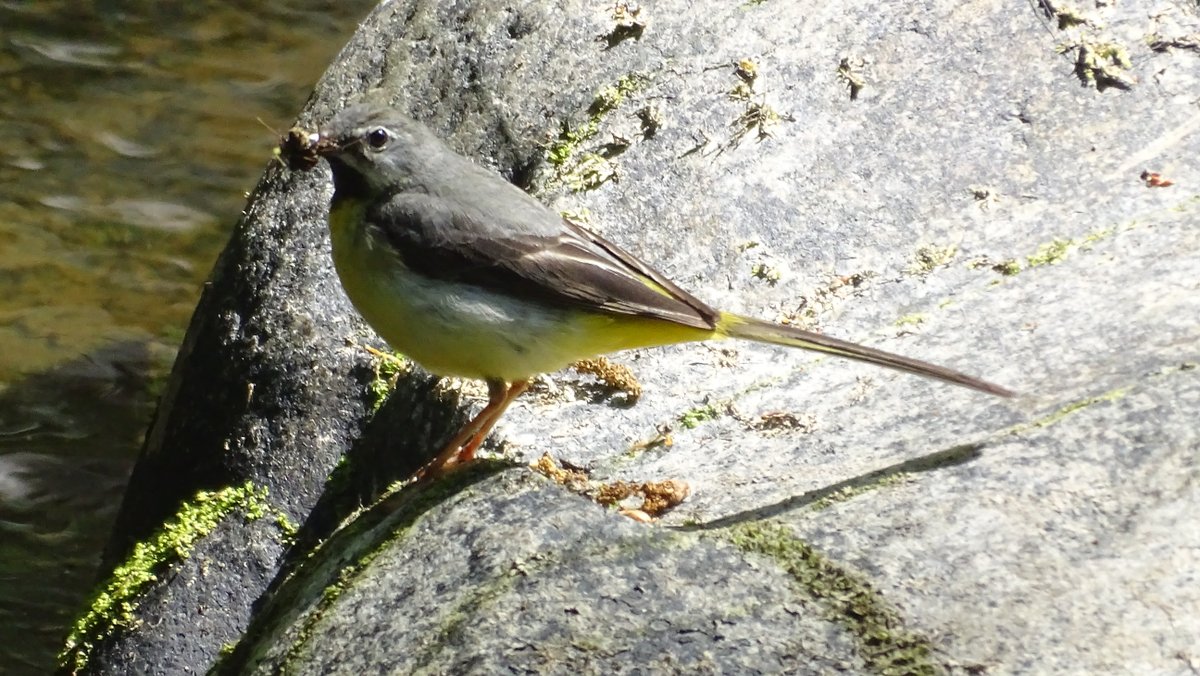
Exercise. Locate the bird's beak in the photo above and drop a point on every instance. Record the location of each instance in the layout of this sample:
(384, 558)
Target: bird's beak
(323, 143)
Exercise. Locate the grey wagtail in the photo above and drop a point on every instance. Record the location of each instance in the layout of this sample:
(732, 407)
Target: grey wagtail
(469, 276)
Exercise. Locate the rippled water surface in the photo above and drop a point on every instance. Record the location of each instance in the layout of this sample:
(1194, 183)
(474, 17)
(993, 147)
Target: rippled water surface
(129, 136)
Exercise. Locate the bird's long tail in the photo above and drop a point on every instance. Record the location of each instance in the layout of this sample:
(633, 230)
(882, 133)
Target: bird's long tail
(748, 328)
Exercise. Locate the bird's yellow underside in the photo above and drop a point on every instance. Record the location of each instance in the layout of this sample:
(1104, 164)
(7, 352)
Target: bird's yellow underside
(465, 331)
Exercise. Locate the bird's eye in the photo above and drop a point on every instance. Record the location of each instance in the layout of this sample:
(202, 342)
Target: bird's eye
(378, 138)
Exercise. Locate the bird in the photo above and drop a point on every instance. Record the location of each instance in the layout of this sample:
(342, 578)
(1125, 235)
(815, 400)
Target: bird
(470, 276)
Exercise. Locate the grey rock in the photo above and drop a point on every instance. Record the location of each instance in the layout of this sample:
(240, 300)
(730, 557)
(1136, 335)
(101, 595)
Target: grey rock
(199, 608)
(898, 526)
(519, 580)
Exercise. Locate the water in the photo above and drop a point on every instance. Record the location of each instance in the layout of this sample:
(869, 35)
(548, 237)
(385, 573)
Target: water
(128, 139)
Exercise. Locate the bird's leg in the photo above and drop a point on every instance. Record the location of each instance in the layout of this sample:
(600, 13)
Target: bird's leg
(462, 447)
(506, 395)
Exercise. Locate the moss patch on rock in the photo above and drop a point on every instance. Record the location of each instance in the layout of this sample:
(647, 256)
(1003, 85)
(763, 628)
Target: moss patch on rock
(848, 599)
(113, 608)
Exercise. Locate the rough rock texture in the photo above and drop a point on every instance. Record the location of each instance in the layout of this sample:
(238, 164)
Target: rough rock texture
(196, 616)
(533, 594)
(265, 387)
(977, 202)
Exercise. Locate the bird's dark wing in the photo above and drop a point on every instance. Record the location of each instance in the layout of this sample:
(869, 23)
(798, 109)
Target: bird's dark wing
(564, 265)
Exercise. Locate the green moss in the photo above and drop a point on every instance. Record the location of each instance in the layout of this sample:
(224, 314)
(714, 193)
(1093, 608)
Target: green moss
(930, 257)
(1073, 408)
(388, 369)
(851, 492)
(1050, 254)
(570, 139)
(582, 216)
(113, 608)
(469, 608)
(1114, 53)
(589, 172)
(286, 526)
(692, 419)
(1054, 252)
(1100, 64)
(1099, 235)
(397, 511)
(914, 319)
(767, 273)
(1069, 18)
(847, 599)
